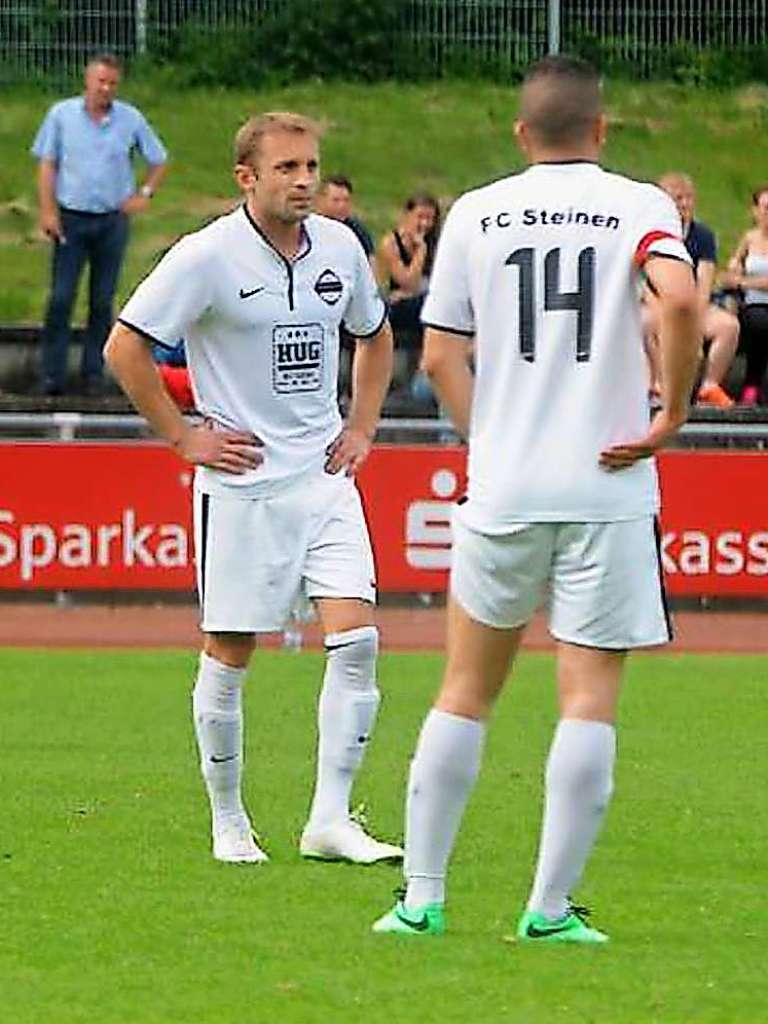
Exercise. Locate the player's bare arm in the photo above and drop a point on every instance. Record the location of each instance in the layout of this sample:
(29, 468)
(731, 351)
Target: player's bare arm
(128, 357)
(371, 374)
(445, 362)
(679, 344)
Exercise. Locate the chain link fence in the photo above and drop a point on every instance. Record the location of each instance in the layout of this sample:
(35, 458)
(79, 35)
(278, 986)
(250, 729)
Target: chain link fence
(52, 38)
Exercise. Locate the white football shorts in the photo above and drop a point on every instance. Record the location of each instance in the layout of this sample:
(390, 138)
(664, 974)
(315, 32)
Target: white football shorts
(602, 581)
(253, 556)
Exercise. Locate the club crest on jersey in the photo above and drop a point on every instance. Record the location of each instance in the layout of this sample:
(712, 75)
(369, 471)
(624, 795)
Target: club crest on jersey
(329, 287)
(298, 358)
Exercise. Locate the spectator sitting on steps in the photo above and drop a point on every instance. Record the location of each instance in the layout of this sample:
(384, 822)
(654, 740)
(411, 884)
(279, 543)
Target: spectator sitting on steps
(720, 328)
(748, 270)
(334, 199)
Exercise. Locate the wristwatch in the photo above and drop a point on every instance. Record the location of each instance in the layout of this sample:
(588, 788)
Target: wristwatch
(146, 192)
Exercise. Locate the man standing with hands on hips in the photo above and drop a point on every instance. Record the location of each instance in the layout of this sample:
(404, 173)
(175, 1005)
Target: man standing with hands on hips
(259, 296)
(542, 269)
(87, 193)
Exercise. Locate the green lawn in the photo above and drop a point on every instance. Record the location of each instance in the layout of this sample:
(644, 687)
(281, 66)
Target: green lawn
(113, 911)
(391, 139)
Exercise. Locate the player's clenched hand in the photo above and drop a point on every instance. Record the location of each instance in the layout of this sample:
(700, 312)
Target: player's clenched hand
(231, 451)
(348, 452)
(663, 427)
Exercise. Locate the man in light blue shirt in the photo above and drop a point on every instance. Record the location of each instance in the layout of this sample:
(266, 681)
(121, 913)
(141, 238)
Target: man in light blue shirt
(87, 193)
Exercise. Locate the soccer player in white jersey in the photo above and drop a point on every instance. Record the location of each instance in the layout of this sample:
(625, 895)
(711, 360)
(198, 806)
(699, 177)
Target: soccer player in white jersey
(542, 269)
(258, 296)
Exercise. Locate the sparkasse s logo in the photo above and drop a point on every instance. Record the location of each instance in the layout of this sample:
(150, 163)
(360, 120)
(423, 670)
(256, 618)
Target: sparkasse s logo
(428, 539)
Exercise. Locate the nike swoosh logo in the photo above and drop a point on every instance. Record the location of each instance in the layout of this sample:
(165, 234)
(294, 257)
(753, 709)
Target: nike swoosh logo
(337, 647)
(254, 291)
(221, 760)
(539, 933)
(418, 926)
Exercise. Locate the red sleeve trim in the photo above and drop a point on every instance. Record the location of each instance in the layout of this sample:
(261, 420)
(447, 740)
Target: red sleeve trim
(641, 252)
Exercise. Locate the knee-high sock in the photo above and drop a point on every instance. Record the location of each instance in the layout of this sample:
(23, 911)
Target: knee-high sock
(579, 782)
(349, 701)
(218, 717)
(443, 773)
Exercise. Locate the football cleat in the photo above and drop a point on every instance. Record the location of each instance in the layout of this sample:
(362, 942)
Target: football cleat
(346, 840)
(571, 927)
(426, 920)
(235, 843)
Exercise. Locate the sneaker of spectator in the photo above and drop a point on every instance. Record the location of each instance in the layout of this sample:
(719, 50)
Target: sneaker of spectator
(750, 395)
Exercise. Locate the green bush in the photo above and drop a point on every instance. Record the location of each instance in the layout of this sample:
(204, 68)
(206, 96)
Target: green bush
(354, 40)
(716, 66)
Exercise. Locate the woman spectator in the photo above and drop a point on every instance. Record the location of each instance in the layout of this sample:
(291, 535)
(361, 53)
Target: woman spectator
(748, 271)
(403, 263)
(405, 256)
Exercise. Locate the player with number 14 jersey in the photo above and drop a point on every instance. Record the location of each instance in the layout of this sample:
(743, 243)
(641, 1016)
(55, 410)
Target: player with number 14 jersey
(542, 268)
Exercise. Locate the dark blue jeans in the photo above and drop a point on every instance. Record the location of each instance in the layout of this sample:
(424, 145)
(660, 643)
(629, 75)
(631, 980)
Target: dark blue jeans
(99, 240)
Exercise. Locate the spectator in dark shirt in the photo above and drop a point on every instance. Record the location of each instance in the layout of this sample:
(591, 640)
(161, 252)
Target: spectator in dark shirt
(720, 328)
(334, 199)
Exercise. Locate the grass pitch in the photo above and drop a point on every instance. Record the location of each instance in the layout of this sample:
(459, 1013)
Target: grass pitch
(392, 140)
(113, 911)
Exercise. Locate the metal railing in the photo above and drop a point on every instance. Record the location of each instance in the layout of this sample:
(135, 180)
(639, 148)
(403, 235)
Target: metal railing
(39, 37)
(73, 426)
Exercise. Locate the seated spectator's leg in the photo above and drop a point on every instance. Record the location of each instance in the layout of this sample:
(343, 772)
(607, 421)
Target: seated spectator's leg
(106, 250)
(754, 332)
(722, 328)
(66, 268)
(405, 319)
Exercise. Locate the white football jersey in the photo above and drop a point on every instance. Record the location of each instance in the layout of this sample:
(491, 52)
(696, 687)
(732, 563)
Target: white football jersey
(542, 268)
(262, 335)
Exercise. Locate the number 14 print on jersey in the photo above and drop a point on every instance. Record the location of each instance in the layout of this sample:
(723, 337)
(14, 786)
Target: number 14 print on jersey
(581, 301)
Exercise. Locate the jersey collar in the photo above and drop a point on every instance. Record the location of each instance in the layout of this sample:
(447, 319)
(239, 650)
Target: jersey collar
(564, 163)
(305, 241)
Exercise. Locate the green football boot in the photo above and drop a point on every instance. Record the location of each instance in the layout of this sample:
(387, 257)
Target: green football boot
(427, 920)
(572, 927)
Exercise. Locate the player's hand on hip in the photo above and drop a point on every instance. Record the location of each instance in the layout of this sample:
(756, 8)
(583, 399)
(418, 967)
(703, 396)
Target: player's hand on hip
(231, 451)
(348, 452)
(664, 426)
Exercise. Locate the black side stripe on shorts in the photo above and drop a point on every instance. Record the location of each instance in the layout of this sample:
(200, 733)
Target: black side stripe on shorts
(664, 601)
(204, 514)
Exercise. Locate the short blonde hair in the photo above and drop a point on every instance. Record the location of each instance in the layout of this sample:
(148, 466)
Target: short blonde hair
(676, 179)
(249, 136)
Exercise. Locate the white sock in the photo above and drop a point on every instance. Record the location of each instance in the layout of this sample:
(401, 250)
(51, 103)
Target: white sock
(443, 773)
(346, 713)
(218, 717)
(579, 782)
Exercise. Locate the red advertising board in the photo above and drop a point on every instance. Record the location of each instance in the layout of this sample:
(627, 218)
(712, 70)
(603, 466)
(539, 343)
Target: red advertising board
(94, 516)
(117, 516)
